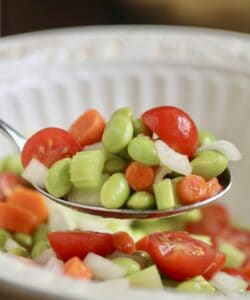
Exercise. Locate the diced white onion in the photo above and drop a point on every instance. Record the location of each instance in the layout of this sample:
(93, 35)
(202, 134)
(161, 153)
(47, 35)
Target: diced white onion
(171, 159)
(228, 284)
(155, 136)
(36, 173)
(103, 268)
(226, 148)
(45, 256)
(161, 173)
(54, 265)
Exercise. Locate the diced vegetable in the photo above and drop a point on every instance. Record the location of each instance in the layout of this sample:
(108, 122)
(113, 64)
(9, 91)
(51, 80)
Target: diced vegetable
(196, 285)
(102, 268)
(164, 194)
(123, 242)
(36, 173)
(234, 257)
(129, 265)
(75, 268)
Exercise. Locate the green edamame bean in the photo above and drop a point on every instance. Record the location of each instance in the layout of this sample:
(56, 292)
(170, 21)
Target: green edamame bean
(141, 200)
(40, 234)
(205, 137)
(129, 265)
(23, 239)
(114, 164)
(124, 154)
(209, 164)
(58, 179)
(124, 111)
(142, 149)
(115, 191)
(12, 163)
(117, 134)
(164, 194)
(4, 235)
(39, 248)
(140, 128)
(19, 251)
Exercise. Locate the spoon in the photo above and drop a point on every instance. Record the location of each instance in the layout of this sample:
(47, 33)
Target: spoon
(224, 179)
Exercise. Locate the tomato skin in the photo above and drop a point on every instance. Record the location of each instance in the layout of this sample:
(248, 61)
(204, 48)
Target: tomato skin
(174, 127)
(179, 256)
(8, 182)
(215, 266)
(76, 243)
(142, 244)
(123, 242)
(49, 145)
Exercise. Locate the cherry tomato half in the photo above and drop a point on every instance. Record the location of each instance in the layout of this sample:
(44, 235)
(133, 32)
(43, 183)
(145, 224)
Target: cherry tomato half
(215, 266)
(123, 242)
(174, 127)
(49, 145)
(178, 255)
(75, 243)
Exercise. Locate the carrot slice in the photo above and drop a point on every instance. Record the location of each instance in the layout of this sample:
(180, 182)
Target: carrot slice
(192, 189)
(139, 176)
(30, 200)
(17, 219)
(213, 187)
(88, 128)
(75, 268)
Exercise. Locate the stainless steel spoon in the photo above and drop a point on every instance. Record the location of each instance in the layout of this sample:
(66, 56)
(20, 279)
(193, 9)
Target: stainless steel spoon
(224, 179)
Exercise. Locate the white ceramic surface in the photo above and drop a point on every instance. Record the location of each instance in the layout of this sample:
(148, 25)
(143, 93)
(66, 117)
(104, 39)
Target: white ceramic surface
(48, 78)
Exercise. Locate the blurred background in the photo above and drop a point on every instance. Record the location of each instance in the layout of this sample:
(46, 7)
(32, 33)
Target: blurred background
(17, 16)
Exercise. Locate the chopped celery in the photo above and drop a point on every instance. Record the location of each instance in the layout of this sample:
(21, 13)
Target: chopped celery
(23, 239)
(194, 285)
(234, 257)
(86, 169)
(148, 278)
(164, 194)
(4, 235)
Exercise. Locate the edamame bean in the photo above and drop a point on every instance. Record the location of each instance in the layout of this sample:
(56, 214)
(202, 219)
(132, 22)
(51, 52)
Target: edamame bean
(117, 134)
(164, 194)
(141, 200)
(124, 154)
(19, 251)
(129, 265)
(115, 191)
(209, 164)
(4, 235)
(115, 164)
(124, 111)
(142, 149)
(40, 234)
(58, 179)
(12, 163)
(140, 128)
(39, 248)
(205, 137)
(23, 239)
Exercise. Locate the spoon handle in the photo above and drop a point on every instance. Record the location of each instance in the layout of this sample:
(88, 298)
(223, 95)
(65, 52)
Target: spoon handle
(16, 137)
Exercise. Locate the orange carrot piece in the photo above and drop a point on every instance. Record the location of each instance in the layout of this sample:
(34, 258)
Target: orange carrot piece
(17, 219)
(213, 187)
(75, 268)
(88, 128)
(192, 189)
(30, 200)
(139, 176)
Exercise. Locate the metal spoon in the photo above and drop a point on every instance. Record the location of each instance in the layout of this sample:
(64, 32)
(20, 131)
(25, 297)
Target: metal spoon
(224, 179)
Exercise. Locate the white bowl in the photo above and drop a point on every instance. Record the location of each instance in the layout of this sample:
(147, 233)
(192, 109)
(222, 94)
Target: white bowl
(48, 78)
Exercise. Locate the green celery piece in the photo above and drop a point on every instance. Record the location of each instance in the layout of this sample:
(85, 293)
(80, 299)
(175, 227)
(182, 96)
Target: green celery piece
(204, 238)
(148, 278)
(234, 257)
(196, 284)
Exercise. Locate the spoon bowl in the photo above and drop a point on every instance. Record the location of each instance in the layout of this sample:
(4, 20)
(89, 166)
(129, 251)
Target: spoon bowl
(224, 179)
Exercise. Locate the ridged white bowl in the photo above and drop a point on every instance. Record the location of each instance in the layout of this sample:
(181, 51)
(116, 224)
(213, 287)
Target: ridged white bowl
(48, 78)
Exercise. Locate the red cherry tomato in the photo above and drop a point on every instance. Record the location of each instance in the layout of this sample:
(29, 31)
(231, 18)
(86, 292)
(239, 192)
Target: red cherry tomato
(123, 242)
(8, 182)
(215, 266)
(49, 145)
(178, 255)
(174, 127)
(77, 243)
(142, 244)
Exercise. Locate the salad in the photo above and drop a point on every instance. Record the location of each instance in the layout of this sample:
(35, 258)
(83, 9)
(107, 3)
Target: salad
(200, 251)
(157, 161)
